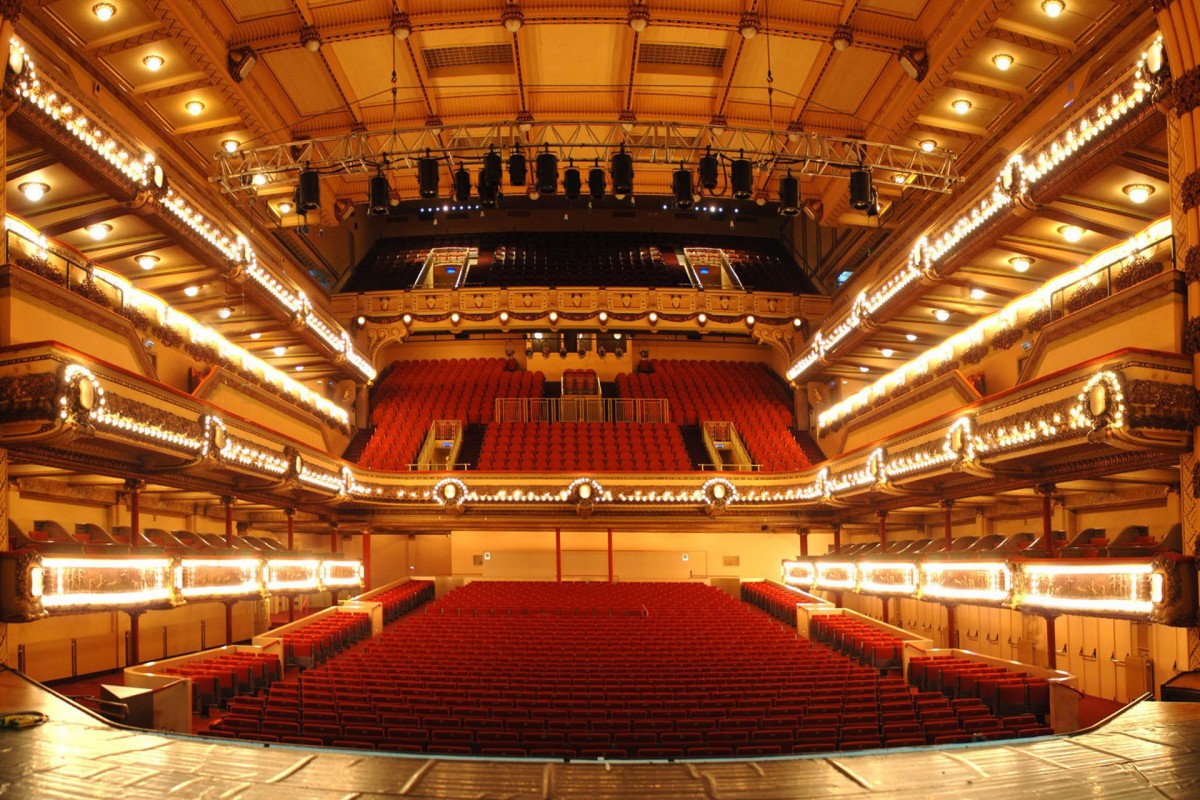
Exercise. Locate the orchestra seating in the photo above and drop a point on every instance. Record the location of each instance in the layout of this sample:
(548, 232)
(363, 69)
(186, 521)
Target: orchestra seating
(579, 670)
(858, 639)
(217, 679)
(1002, 692)
(744, 393)
(402, 599)
(579, 258)
(415, 393)
(312, 642)
(591, 446)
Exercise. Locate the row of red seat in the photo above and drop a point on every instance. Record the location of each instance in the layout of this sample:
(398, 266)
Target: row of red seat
(858, 639)
(593, 447)
(316, 640)
(216, 679)
(1005, 692)
(778, 601)
(402, 599)
(580, 382)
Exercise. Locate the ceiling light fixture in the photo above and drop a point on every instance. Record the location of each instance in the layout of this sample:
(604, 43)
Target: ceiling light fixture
(104, 11)
(627, 119)
(241, 62)
(225, 312)
(1053, 8)
(899, 177)
(1021, 263)
(961, 105)
(928, 145)
(887, 352)
(194, 107)
(941, 314)
(230, 146)
(749, 25)
(795, 130)
(524, 120)
(285, 207)
(279, 350)
(1072, 233)
(191, 291)
(33, 191)
(259, 179)
(914, 61)
(401, 27)
(1138, 192)
(512, 17)
(864, 369)
(310, 38)
(718, 123)
(978, 294)
(99, 230)
(842, 37)
(299, 368)
(1002, 61)
(639, 16)
(147, 261)
(912, 337)
(154, 62)
(256, 336)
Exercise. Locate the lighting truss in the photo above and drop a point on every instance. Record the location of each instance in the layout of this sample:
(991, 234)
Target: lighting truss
(667, 143)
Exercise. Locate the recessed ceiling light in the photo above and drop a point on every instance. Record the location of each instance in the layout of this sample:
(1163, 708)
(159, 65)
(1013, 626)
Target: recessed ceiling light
(978, 294)
(192, 291)
(1053, 8)
(961, 105)
(33, 191)
(194, 107)
(864, 369)
(259, 179)
(99, 230)
(1138, 192)
(1021, 263)
(899, 177)
(887, 352)
(1002, 61)
(299, 368)
(256, 336)
(285, 207)
(231, 145)
(912, 337)
(941, 314)
(928, 145)
(146, 261)
(279, 350)
(104, 11)
(154, 62)
(1072, 233)
(225, 312)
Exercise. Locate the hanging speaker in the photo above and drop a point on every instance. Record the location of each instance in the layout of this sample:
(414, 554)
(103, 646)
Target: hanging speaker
(427, 176)
(308, 193)
(622, 174)
(741, 178)
(378, 195)
(681, 187)
(708, 172)
(546, 169)
(860, 189)
(462, 186)
(572, 183)
(516, 168)
(596, 182)
(789, 195)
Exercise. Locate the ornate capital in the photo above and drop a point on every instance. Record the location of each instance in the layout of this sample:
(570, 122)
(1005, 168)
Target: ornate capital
(10, 10)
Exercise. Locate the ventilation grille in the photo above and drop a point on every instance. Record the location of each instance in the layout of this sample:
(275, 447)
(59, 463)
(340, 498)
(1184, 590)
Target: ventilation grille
(682, 55)
(474, 56)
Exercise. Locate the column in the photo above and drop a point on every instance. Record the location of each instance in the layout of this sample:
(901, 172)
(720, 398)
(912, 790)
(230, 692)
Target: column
(228, 622)
(135, 524)
(882, 531)
(610, 556)
(558, 554)
(135, 656)
(948, 531)
(1046, 490)
(333, 537)
(227, 501)
(291, 527)
(1051, 645)
(804, 542)
(4, 543)
(366, 557)
(837, 538)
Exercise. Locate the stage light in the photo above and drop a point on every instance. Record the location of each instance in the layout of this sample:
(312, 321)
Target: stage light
(572, 183)
(596, 182)
(489, 192)
(516, 167)
(427, 176)
(708, 171)
(789, 195)
(681, 187)
(622, 174)
(462, 185)
(860, 189)
(741, 177)
(308, 192)
(492, 168)
(378, 194)
(546, 171)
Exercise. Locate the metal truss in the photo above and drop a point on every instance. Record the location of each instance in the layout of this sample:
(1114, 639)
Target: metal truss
(663, 143)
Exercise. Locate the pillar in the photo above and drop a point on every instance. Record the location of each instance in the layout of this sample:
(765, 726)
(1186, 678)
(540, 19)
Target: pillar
(4, 543)
(291, 527)
(837, 538)
(1046, 490)
(227, 501)
(135, 656)
(1051, 645)
(366, 558)
(228, 622)
(948, 532)
(803, 542)
(610, 556)
(291, 608)
(333, 537)
(882, 532)
(135, 523)
(558, 554)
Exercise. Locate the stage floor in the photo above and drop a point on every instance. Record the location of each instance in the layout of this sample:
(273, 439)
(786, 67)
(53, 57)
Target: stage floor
(1152, 750)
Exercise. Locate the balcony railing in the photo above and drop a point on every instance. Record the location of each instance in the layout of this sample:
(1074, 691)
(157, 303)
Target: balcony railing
(581, 409)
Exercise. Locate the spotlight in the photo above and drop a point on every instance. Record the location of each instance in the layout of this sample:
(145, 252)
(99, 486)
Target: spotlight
(488, 191)
(516, 167)
(860, 189)
(308, 193)
(492, 167)
(310, 38)
(639, 16)
(622, 174)
(546, 171)
(572, 183)
(146, 261)
(708, 171)
(512, 17)
(462, 185)
(400, 25)
(33, 191)
(241, 62)
(378, 194)
(789, 195)
(914, 61)
(749, 25)
(741, 177)
(681, 187)
(427, 176)
(842, 37)
(153, 62)
(596, 181)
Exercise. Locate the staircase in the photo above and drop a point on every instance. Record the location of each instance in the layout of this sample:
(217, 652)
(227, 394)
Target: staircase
(472, 443)
(354, 450)
(808, 445)
(693, 440)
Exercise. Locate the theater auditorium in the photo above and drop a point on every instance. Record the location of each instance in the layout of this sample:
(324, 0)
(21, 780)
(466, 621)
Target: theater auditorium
(599, 399)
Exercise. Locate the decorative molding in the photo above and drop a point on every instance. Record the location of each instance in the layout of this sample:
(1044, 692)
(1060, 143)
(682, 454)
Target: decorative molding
(1189, 193)
(1185, 91)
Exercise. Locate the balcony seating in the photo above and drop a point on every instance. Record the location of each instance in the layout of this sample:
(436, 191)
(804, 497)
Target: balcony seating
(776, 600)
(414, 394)
(217, 679)
(313, 642)
(857, 639)
(580, 382)
(404, 598)
(583, 446)
(744, 393)
(1001, 692)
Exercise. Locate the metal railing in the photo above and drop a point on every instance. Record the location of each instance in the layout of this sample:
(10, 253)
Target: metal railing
(721, 436)
(581, 409)
(442, 445)
(1104, 283)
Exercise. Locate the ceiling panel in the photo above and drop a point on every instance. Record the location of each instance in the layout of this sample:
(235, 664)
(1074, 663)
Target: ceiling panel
(851, 75)
(306, 80)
